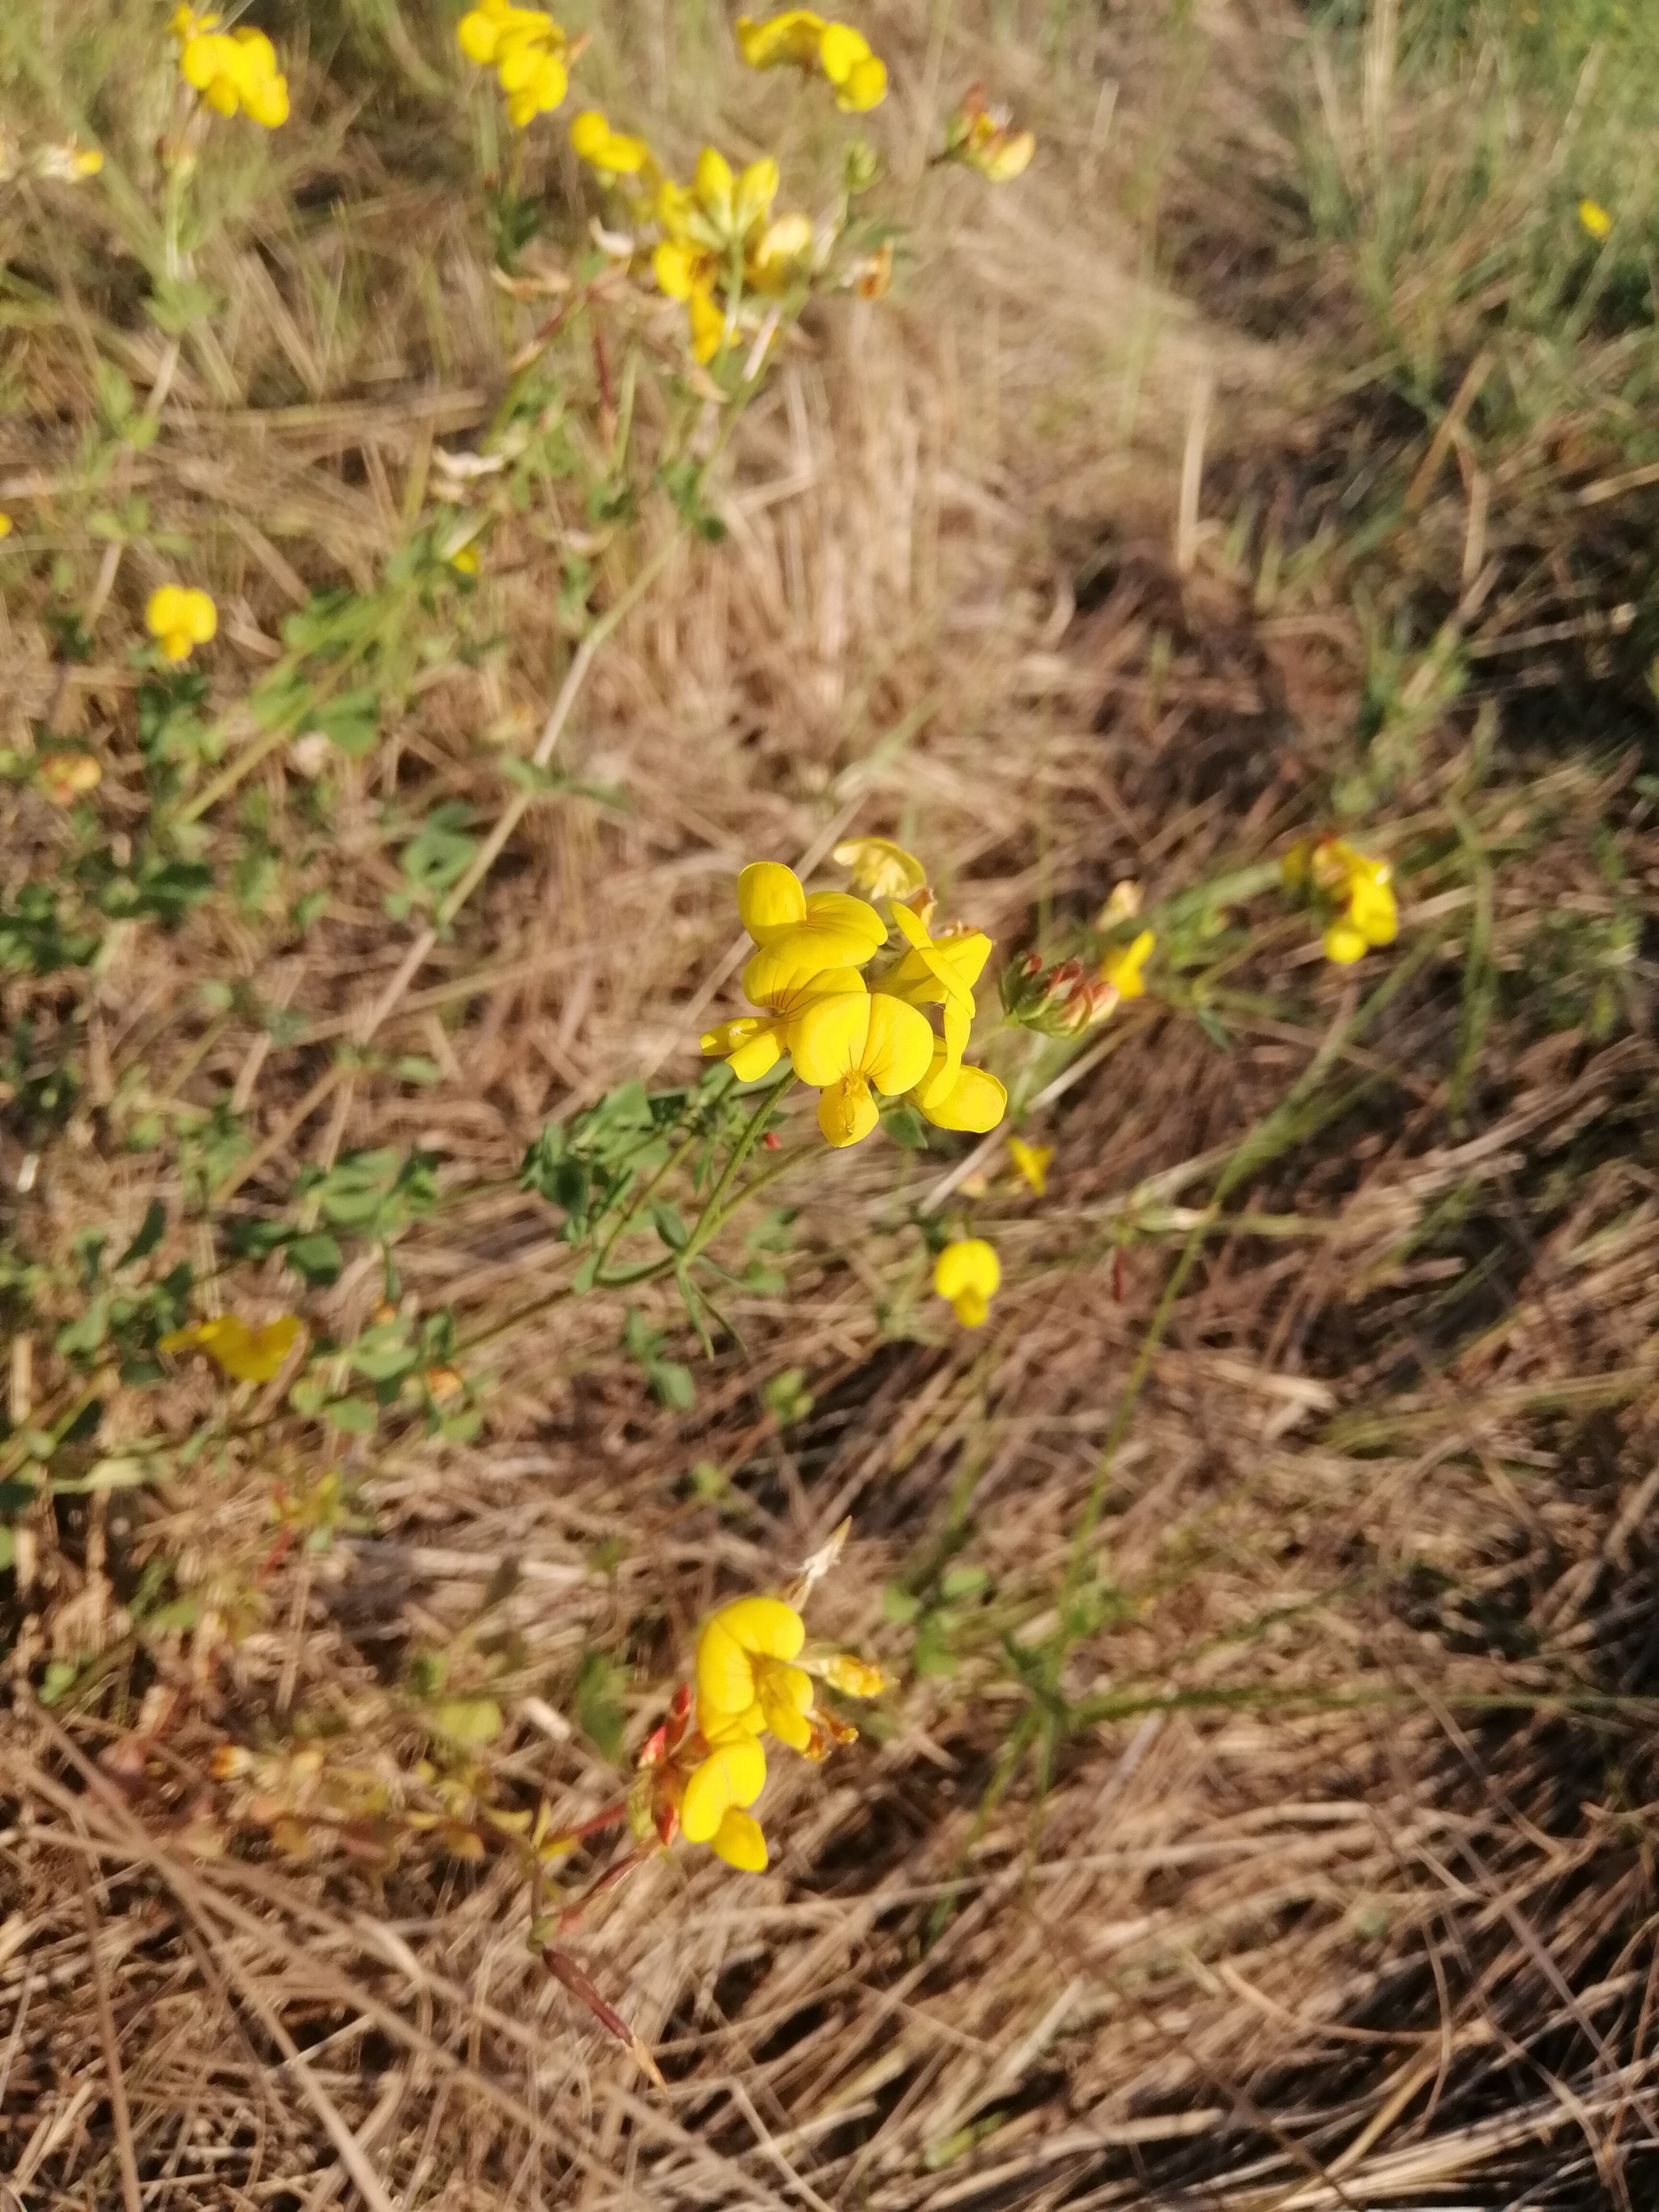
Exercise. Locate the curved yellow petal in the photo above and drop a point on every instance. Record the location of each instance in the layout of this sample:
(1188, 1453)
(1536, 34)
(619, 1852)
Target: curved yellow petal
(708, 323)
(827, 1040)
(841, 49)
(713, 184)
(765, 1626)
(849, 917)
(864, 87)
(974, 1103)
(757, 189)
(1030, 1163)
(847, 1112)
(1373, 912)
(784, 975)
(969, 1264)
(793, 36)
(769, 896)
(1344, 944)
(740, 1842)
(881, 869)
(899, 1045)
(733, 1773)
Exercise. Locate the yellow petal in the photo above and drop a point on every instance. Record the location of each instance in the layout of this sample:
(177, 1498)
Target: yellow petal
(713, 184)
(899, 1045)
(841, 50)
(974, 1103)
(1032, 1164)
(969, 1264)
(790, 973)
(879, 868)
(675, 267)
(1122, 970)
(732, 1774)
(740, 1842)
(1372, 911)
(476, 34)
(792, 36)
(827, 1038)
(765, 1626)
(757, 189)
(708, 323)
(847, 1112)
(1596, 219)
(864, 87)
(161, 614)
(759, 1054)
(971, 1308)
(770, 897)
(1344, 944)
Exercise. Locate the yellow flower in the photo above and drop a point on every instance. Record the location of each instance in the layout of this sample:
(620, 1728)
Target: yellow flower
(180, 617)
(967, 1275)
(6, 525)
(231, 69)
(248, 1355)
(464, 560)
(1360, 887)
(936, 970)
(829, 929)
(1122, 970)
(878, 868)
(1596, 219)
(783, 984)
(66, 776)
(781, 252)
(852, 1044)
(1032, 1164)
(612, 153)
(809, 42)
(983, 138)
(70, 164)
(732, 1776)
(746, 1683)
(950, 1096)
(526, 49)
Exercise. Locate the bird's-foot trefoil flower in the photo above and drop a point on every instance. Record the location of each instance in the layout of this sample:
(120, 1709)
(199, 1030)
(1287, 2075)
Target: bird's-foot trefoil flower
(246, 1355)
(877, 868)
(950, 1095)
(1123, 969)
(984, 138)
(1595, 221)
(783, 984)
(853, 1045)
(612, 153)
(1354, 890)
(805, 41)
(180, 617)
(967, 1275)
(529, 52)
(829, 928)
(1032, 1164)
(232, 70)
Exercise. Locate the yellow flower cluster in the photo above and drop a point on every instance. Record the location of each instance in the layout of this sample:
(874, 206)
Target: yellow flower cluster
(528, 51)
(1355, 890)
(849, 1038)
(755, 1677)
(180, 618)
(835, 51)
(232, 69)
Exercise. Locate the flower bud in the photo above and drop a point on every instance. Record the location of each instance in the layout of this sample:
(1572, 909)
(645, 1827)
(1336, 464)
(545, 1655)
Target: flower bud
(1061, 1001)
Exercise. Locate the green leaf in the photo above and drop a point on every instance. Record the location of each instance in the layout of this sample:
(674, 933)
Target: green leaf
(150, 1234)
(315, 1259)
(788, 1402)
(470, 1721)
(58, 1681)
(351, 1414)
(668, 1226)
(898, 1606)
(671, 1385)
(601, 1714)
(965, 1581)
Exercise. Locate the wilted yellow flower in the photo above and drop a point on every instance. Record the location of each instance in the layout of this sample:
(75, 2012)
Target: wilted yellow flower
(231, 69)
(180, 618)
(1032, 1164)
(983, 138)
(878, 868)
(246, 1355)
(1122, 971)
(1360, 887)
(526, 49)
(968, 1274)
(810, 41)
(1596, 219)
(64, 777)
(612, 153)
(852, 1045)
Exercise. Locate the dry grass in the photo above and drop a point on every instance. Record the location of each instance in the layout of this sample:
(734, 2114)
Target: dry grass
(1322, 1877)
